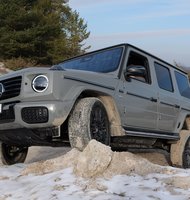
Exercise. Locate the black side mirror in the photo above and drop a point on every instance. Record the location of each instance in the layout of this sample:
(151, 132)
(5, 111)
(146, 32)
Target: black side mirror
(135, 71)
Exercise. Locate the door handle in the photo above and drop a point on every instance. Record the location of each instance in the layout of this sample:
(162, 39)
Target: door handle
(177, 106)
(153, 99)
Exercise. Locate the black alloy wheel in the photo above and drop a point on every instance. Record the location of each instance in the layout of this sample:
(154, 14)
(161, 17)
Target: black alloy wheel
(99, 124)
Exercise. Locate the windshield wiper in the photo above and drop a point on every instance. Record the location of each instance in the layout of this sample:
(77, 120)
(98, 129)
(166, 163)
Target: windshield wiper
(57, 67)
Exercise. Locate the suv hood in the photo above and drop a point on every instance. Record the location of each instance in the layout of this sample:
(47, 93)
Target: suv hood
(94, 78)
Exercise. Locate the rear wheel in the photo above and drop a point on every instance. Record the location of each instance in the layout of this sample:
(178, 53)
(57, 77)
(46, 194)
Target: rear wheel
(180, 152)
(11, 154)
(88, 120)
(186, 154)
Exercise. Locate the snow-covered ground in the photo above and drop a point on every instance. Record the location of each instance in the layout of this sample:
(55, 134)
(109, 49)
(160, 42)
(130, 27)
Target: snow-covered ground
(89, 175)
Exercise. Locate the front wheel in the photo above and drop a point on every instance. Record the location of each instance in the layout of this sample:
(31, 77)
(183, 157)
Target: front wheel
(88, 120)
(11, 154)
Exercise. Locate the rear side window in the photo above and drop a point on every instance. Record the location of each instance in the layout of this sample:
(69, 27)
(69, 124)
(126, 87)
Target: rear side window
(183, 84)
(163, 77)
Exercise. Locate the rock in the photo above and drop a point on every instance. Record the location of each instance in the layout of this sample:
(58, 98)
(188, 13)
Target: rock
(94, 160)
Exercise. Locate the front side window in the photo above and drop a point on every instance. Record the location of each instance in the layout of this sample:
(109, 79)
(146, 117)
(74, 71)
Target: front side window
(138, 66)
(103, 61)
(183, 84)
(163, 77)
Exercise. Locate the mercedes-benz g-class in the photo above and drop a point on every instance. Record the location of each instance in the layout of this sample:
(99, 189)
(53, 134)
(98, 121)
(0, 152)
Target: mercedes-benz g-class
(120, 96)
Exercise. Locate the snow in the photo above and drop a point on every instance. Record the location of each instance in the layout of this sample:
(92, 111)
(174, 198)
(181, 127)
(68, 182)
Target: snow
(63, 183)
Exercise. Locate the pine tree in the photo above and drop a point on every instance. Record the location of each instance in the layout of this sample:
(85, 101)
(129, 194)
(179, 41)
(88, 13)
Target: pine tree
(46, 31)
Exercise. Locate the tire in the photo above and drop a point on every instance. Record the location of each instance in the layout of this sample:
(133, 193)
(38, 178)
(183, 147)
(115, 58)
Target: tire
(10, 154)
(180, 152)
(186, 154)
(88, 120)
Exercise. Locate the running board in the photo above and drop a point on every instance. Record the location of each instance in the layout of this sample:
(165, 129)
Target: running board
(165, 136)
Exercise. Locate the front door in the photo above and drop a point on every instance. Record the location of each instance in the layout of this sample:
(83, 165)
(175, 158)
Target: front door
(140, 97)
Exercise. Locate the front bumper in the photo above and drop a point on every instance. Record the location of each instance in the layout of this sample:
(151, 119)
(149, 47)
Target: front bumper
(33, 115)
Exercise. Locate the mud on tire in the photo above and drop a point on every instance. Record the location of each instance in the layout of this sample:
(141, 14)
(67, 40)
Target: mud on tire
(180, 152)
(88, 121)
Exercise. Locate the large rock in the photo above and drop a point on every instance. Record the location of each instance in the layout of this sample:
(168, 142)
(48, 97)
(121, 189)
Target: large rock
(94, 160)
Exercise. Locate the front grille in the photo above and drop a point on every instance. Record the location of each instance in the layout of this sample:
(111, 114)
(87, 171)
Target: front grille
(7, 115)
(33, 115)
(11, 87)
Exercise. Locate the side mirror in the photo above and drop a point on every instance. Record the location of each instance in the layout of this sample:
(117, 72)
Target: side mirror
(135, 71)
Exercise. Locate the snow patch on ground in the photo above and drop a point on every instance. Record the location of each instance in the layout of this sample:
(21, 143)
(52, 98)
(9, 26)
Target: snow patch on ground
(96, 173)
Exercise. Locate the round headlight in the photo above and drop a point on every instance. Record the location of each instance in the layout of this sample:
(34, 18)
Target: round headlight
(40, 83)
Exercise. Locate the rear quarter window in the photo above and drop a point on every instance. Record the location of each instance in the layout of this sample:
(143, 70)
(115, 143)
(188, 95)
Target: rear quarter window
(183, 84)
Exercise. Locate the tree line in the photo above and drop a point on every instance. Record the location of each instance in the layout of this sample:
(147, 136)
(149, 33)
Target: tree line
(42, 31)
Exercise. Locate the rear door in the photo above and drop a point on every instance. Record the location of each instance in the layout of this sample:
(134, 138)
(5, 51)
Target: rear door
(168, 101)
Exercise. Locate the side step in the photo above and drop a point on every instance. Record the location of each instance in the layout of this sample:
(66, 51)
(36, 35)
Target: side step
(165, 136)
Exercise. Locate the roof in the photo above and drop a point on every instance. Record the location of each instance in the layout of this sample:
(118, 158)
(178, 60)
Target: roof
(126, 45)
(180, 69)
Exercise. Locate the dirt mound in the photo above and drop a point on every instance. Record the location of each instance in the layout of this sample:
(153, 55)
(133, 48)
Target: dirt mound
(128, 163)
(160, 157)
(96, 160)
(48, 166)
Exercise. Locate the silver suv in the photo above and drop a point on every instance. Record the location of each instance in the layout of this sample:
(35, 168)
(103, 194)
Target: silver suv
(121, 96)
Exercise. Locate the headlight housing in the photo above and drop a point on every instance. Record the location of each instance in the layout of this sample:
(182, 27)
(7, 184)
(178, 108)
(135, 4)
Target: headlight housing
(40, 83)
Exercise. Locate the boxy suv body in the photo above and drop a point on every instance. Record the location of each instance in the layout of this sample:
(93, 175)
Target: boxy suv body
(121, 96)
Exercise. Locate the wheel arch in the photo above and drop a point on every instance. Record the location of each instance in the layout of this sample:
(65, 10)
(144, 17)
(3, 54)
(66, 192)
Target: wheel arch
(111, 108)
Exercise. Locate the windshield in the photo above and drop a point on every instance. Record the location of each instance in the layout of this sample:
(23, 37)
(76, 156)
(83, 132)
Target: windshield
(102, 61)
(183, 84)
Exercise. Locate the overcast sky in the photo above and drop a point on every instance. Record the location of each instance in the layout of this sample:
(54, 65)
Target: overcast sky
(161, 27)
